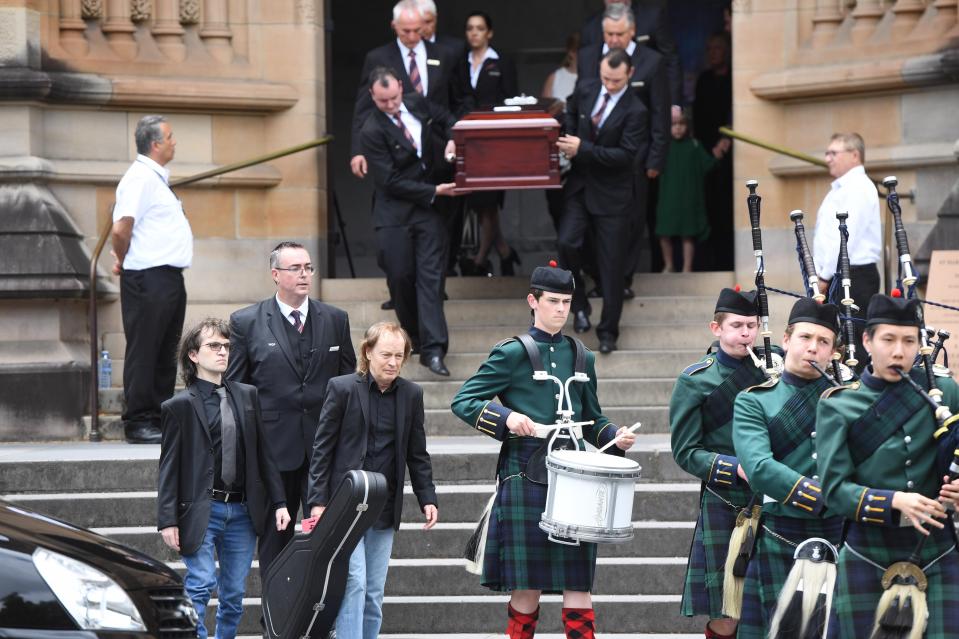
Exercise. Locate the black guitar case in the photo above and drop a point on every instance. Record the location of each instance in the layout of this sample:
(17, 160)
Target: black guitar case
(304, 587)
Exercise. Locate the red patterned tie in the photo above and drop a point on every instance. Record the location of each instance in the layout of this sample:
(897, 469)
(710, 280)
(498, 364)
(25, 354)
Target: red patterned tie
(297, 324)
(406, 132)
(598, 116)
(415, 74)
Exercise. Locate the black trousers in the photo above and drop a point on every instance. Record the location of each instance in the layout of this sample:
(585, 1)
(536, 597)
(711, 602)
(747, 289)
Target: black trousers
(609, 232)
(152, 303)
(414, 258)
(639, 221)
(864, 284)
(273, 541)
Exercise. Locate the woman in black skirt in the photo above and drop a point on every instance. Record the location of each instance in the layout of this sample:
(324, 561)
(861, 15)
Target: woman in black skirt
(486, 79)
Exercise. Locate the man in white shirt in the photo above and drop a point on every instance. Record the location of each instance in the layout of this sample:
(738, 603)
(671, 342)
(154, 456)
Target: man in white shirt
(853, 192)
(152, 243)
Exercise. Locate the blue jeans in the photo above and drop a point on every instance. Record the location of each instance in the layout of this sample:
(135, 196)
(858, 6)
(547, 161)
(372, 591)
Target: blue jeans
(230, 532)
(361, 613)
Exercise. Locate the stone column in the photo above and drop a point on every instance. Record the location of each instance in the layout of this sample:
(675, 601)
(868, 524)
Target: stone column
(118, 29)
(215, 32)
(866, 16)
(72, 28)
(825, 21)
(907, 14)
(167, 31)
(946, 11)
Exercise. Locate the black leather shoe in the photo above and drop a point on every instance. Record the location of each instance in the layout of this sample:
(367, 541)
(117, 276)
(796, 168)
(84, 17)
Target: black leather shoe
(607, 346)
(628, 293)
(581, 322)
(141, 433)
(388, 305)
(435, 364)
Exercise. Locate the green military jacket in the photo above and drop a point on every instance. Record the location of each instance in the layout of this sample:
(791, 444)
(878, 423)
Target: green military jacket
(701, 437)
(504, 384)
(774, 430)
(862, 489)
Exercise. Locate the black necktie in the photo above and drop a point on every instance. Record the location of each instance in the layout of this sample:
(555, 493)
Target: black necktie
(228, 438)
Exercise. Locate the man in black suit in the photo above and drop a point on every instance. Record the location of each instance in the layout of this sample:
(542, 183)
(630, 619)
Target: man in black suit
(456, 46)
(606, 130)
(407, 140)
(217, 487)
(289, 346)
(373, 420)
(648, 82)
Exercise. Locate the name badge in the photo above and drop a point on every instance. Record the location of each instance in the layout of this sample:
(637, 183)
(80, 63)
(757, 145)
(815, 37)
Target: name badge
(334, 348)
(271, 343)
(432, 62)
(638, 83)
(494, 74)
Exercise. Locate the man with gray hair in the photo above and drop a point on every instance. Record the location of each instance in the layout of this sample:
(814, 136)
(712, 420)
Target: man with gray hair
(152, 244)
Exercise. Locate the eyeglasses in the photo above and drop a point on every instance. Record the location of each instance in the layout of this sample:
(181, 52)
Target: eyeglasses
(296, 270)
(832, 154)
(216, 346)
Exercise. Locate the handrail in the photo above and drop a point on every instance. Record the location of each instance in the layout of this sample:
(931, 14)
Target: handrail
(95, 434)
(775, 148)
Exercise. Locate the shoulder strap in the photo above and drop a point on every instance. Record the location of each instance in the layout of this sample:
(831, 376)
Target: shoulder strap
(532, 351)
(579, 365)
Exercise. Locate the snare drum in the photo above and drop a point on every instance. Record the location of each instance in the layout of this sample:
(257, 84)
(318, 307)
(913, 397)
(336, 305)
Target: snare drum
(590, 497)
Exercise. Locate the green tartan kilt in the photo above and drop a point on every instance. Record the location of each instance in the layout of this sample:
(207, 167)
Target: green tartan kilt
(703, 589)
(770, 565)
(858, 586)
(519, 555)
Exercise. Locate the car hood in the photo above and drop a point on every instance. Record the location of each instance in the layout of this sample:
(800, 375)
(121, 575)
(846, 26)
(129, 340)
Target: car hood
(26, 530)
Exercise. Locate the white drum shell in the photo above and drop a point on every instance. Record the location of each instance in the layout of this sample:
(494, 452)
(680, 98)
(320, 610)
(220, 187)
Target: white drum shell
(590, 496)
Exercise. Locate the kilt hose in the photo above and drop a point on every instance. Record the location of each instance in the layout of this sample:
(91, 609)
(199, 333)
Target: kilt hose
(703, 588)
(519, 556)
(771, 563)
(858, 586)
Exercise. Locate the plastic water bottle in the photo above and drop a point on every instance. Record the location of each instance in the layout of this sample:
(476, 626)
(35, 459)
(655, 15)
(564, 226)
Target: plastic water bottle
(106, 370)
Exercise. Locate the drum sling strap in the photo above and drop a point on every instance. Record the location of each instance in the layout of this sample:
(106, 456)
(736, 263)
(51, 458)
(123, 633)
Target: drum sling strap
(536, 465)
(894, 407)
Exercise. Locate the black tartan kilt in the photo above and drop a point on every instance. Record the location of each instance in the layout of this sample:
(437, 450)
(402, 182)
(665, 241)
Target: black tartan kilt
(519, 556)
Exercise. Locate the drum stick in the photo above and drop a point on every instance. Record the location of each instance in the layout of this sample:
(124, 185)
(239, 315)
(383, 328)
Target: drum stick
(631, 429)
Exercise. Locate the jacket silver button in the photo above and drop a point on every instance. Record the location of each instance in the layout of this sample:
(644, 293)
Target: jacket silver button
(910, 484)
(907, 439)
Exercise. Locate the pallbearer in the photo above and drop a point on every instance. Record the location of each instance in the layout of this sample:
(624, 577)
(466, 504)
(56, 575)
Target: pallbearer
(503, 401)
(877, 460)
(774, 428)
(700, 418)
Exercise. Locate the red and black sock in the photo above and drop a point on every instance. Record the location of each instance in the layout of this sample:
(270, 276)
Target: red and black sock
(579, 623)
(521, 625)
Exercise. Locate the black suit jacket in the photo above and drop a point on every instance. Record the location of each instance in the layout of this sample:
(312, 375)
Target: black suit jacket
(603, 166)
(405, 182)
(440, 69)
(652, 29)
(186, 464)
(456, 46)
(648, 82)
(496, 82)
(261, 355)
(341, 441)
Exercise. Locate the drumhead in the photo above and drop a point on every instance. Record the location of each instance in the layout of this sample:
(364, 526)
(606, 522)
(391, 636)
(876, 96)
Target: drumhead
(588, 460)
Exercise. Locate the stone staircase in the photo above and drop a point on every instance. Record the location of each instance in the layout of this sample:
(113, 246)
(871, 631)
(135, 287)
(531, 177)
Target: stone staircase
(111, 486)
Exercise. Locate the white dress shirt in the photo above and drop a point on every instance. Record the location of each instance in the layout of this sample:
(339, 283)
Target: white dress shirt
(304, 308)
(854, 193)
(610, 105)
(629, 48)
(489, 54)
(420, 52)
(414, 126)
(161, 232)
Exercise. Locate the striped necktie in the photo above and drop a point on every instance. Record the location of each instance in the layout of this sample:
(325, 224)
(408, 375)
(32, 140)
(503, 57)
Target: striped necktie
(406, 132)
(414, 73)
(297, 324)
(598, 116)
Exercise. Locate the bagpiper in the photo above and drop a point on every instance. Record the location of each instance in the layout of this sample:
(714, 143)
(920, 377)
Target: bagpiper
(503, 400)
(774, 428)
(877, 460)
(700, 418)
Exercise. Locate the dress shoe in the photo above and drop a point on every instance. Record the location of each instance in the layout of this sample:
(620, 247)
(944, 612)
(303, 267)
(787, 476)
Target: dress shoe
(388, 305)
(506, 263)
(435, 364)
(628, 293)
(607, 346)
(141, 433)
(581, 322)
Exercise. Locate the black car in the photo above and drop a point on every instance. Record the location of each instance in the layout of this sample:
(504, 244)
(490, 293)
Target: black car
(58, 581)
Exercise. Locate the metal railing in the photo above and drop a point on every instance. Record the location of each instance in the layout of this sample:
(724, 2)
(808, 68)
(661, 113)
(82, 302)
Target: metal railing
(95, 434)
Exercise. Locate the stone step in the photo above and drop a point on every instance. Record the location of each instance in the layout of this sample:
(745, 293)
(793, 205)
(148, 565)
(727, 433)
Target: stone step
(439, 394)
(457, 503)
(652, 284)
(103, 467)
(658, 614)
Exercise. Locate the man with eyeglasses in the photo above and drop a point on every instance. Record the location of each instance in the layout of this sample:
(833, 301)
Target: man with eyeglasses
(217, 486)
(289, 346)
(853, 192)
